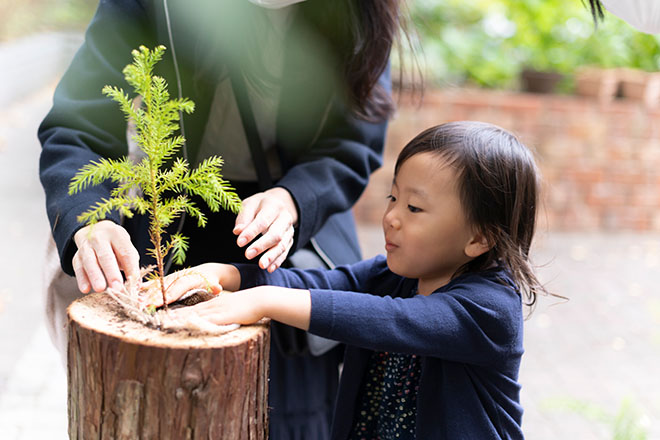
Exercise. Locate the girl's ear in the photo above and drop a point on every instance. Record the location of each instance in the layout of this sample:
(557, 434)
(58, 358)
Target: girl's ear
(477, 245)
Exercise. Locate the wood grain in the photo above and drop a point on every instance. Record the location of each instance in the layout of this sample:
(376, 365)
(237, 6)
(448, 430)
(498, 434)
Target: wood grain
(128, 381)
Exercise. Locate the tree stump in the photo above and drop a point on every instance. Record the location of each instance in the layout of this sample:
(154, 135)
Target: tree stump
(128, 381)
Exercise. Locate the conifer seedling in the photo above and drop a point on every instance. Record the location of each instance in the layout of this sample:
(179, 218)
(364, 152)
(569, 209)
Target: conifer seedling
(164, 181)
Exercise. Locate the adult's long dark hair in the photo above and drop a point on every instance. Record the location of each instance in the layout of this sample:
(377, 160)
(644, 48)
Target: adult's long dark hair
(357, 35)
(371, 28)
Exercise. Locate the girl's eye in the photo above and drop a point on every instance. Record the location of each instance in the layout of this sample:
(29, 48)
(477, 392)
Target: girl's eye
(391, 198)
(412, 208)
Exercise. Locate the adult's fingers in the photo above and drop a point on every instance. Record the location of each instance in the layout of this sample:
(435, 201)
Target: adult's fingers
(249, 209)
(127, 257)
(276, 233)
(260, 210)
(259, 225)
(278, 251)
(82, 279)
(91, 266)
(107, 261)
(277, 261)
(103, 249)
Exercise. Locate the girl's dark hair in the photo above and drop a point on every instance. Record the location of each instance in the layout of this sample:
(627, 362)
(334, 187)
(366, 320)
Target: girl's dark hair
(498, 184)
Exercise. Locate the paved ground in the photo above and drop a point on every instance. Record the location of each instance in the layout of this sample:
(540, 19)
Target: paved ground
(592, 357)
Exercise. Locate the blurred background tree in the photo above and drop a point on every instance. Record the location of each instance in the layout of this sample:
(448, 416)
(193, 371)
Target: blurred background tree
(486, 43)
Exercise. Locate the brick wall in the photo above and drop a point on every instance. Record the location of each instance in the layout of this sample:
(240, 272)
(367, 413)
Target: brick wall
(600, 161)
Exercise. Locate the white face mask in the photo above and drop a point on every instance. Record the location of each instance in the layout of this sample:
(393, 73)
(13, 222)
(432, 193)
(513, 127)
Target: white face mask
(274, 4)
(643, 15)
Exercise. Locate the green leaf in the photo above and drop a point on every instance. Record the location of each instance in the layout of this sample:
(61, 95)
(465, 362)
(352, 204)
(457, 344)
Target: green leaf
(179, 245)
(95, 173)
(102, 209)
(170, 209)
(194, 212)
(206, 182)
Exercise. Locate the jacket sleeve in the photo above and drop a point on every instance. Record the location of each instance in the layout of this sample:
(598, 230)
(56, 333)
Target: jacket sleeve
(479, 323)
(474, 319)
(329, 176)
(83, 124)
(363, 276)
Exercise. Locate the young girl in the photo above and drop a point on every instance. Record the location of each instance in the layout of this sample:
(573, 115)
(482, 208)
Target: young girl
(435, 329)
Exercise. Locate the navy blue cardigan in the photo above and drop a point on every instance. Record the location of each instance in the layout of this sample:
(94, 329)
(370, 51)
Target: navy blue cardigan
(327, 154)
(469, 334)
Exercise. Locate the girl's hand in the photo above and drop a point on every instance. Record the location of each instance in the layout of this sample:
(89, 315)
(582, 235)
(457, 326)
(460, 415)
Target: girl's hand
(289, 306)
(273, 214)
(242, 307)
(212, 277)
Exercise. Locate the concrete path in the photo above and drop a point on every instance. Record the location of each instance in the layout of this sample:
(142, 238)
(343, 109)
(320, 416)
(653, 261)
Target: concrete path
(32, 377)
(592, 357)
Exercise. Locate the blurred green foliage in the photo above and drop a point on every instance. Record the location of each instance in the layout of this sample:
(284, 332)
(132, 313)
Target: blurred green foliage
(477, 42)
(488, 42)
(628, 422)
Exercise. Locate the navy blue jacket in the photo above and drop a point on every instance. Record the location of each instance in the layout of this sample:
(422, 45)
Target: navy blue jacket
(469, 334)
(326, 153)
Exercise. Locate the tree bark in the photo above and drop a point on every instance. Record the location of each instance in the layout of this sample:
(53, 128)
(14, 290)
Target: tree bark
(128, 381)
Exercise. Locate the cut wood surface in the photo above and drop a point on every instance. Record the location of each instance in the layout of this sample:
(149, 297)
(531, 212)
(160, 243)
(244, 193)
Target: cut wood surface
(128, 381)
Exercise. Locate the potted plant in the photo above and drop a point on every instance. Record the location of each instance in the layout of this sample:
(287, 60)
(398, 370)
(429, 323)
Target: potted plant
(641, 86)
(540, 44)
(598, 83)
(165, 379)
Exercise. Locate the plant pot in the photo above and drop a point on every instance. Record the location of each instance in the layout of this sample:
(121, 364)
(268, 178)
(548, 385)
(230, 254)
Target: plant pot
(600, 84)
(640, 86)
(129, 381)
(535, 81)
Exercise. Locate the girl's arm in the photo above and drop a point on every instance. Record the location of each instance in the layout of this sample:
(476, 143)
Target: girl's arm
(447, 325)
(282, 304)
(477, 321)
(479, 324)
(365, 276)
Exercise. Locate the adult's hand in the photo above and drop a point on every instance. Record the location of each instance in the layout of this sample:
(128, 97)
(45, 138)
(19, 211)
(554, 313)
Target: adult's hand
(104, 249)
(273, 214)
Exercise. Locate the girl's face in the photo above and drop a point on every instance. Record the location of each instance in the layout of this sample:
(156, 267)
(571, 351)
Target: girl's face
(427, 235)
